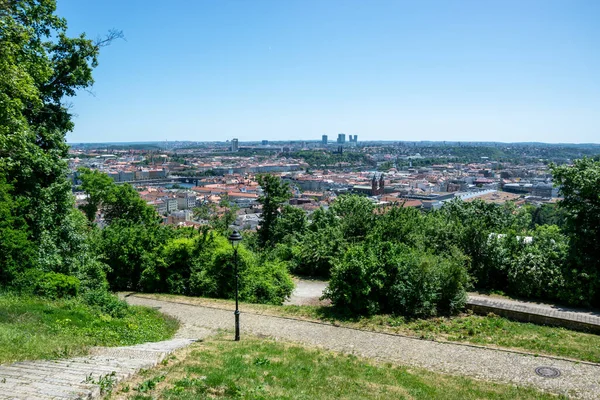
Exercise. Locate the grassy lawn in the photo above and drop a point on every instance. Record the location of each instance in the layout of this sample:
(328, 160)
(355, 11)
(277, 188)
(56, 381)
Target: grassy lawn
(34, 328)
(492, 330)
(267, 369)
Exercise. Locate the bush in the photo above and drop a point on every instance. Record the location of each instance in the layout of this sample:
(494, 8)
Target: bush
(317, 252)
(48, 284)
(426, 285)
(356, 282)
(106, 302)
(536, 269)
(399, 280)
(260, 282)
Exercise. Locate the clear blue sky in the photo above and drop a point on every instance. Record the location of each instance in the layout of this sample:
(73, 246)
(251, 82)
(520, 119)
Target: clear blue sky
(522, 70)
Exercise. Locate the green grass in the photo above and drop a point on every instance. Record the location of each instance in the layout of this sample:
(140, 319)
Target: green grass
(266, 369)
(37, 328)
(491, 330)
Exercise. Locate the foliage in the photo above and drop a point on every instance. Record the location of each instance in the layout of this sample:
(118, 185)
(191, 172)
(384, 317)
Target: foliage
(397, 279)
(17, 253)
(118, 202)
(129, 249)
(315, 253)
(260, 281)
(356, 216)
(220, 217)
(536, 270)
(40, 66)
(579, 185)
(275, 193)
(548, 214)
(326, 159)
(106, 303)
(48, 284)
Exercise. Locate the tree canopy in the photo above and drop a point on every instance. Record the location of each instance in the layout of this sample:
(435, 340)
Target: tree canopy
(40, 67)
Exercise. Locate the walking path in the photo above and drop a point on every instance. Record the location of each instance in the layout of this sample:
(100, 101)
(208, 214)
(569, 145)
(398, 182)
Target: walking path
(577, 379)
(308, 292)
(81, 377)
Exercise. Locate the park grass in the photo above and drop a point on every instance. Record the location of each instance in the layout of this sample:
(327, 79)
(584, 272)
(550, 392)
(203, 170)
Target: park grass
(38, 328)
(490, 331)
(267, 369)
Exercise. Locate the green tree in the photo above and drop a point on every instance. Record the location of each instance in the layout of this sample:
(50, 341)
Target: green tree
(119, 202)
(356, 216)
(40, 66)
(97, 185)
(129, 249)
(275, 193)
(219, 220)
(579, 185)
(292, 223)
(124, 203)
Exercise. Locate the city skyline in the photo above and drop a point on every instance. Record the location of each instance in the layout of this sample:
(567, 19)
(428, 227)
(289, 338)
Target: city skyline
(395, 71)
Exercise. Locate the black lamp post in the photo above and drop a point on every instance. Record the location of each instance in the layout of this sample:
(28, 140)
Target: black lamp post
(235, 238)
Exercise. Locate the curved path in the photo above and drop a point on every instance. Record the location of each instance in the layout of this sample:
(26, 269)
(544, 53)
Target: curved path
(577, 379)
(309, 292)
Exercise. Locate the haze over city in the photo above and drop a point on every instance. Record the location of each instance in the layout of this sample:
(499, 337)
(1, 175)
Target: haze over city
(506, 71)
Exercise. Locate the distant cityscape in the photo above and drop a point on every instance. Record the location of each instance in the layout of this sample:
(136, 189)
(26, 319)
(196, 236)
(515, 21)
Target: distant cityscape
(178, 176)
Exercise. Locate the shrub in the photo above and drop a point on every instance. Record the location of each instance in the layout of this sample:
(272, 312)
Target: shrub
(48, 284)
(399, 280)
(267, 282)
(356, 281)
(260, 282)
(536, 269)
(316, 254)
(427, 285)
(106, 302)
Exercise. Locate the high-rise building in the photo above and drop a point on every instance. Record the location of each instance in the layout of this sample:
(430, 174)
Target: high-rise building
(234, 145)
(324, 140)
(341, 138)
(265, 142)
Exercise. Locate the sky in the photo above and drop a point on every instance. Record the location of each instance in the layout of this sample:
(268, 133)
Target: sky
(213, 70)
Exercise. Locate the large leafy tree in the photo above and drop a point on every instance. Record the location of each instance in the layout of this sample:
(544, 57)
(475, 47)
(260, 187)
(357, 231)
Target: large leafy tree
(40, 67)
(579, 185)
(275, 193)
(118, 202)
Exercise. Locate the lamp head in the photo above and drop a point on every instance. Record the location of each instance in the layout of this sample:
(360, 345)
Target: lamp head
(235, 238)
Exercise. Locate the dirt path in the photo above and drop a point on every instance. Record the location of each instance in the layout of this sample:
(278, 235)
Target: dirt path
(577, 379)
(308, 293)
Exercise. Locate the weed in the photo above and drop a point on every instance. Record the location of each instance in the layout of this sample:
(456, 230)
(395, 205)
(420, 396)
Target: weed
(106, 382)
(261, 361)
(149, 384)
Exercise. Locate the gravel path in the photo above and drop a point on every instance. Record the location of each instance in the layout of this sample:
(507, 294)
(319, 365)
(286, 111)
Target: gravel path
(579, 380)
(309, 291)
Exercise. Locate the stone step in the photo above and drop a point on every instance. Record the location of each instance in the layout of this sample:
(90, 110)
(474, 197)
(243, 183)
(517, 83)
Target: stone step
(68, 378)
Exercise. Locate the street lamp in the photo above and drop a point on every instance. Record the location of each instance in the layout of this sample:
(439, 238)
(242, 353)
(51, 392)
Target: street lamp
(235, 238)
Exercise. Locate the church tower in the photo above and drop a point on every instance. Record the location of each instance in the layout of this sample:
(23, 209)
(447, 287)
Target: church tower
(374, 186)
